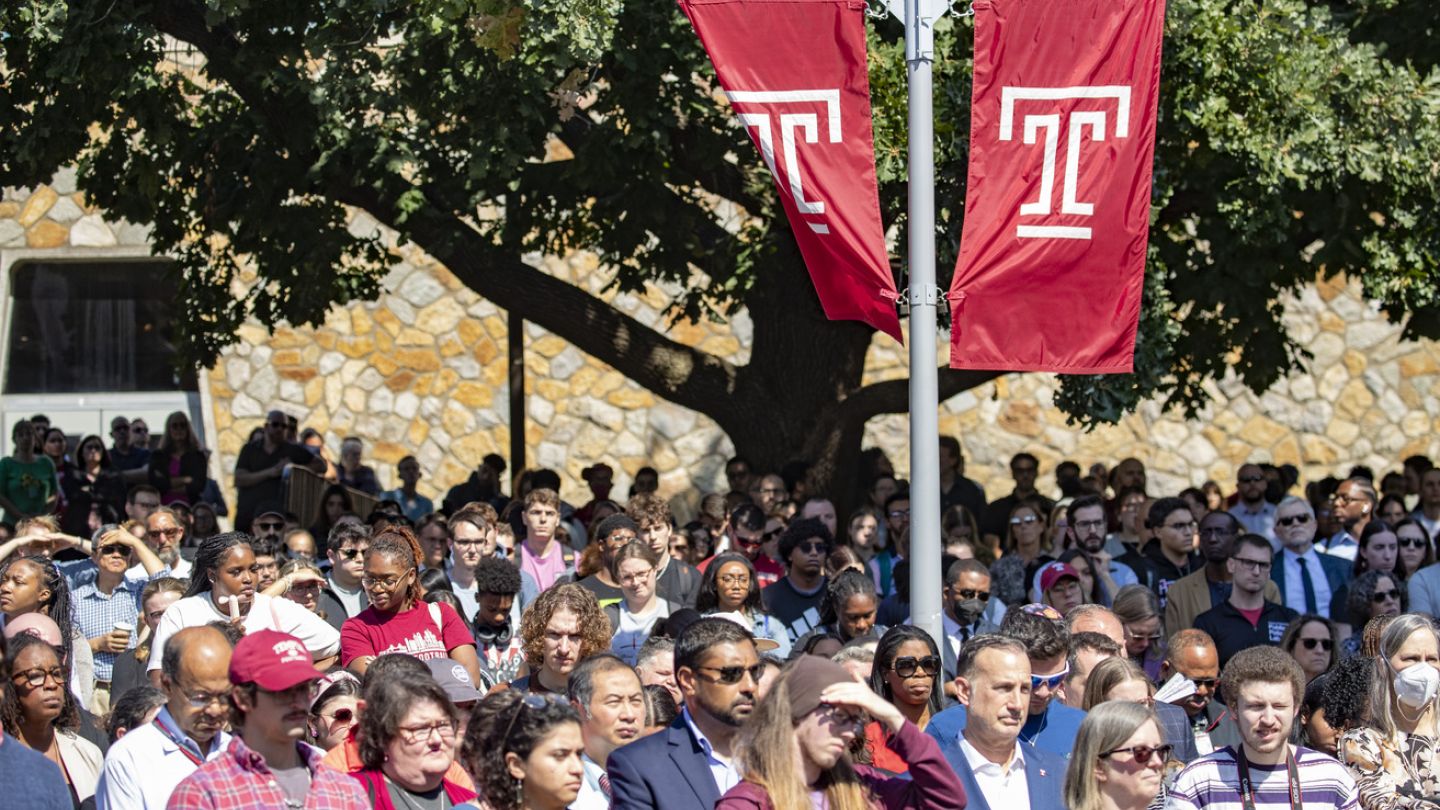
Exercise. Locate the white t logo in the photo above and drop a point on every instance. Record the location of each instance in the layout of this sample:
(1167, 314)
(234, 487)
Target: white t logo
(1076, 122)
(807, 123)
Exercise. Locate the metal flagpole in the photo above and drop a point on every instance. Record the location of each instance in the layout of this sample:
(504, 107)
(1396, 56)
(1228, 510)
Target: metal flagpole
(924, 296)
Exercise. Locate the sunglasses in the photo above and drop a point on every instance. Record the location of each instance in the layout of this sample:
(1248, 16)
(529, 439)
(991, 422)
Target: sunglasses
(340, 716)
(1410, 542)
(1143, 753)
(1252, 479)
(350, 553)
(1293, 520)
(1381, 596)
(1324, 643)
(813, 546)
(1048, 681)
(907, 665)
(971, 593)
(117, 549)
(1205, 683)
(732, 675)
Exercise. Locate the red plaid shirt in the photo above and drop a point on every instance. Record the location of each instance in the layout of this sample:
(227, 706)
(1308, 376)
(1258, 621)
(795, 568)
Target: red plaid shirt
(241, 779)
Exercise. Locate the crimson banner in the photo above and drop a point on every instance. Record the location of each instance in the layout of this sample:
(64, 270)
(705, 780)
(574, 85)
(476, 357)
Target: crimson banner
(794, 71)
(1062, 142)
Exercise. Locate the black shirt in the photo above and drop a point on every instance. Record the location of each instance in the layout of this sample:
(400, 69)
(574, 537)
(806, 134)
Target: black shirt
(1166, 572)
(996, 519)
(799, 612)
(1233, 632)
(268, 492)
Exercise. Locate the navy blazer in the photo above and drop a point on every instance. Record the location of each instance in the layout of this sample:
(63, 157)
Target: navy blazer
(664, 771)
(1044, 777)
(1175, 729)
(1337, 574)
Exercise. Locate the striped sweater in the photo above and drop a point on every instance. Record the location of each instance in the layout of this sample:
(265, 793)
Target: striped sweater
(1213, 783)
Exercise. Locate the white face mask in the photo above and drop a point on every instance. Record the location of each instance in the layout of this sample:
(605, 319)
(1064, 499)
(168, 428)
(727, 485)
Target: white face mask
(1417, 685)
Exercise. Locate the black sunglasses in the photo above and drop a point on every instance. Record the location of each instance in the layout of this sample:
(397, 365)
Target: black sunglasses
(1205, 683)
(907, 665)
(1410, 542)
(1325, 643)
(730, 675)
(114, 548)
(350, 553)
(1381, 596)
(1143, 753)
(1293, 519)
(971, 593)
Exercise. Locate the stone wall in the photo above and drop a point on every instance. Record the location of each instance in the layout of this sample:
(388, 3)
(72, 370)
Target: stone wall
(423, 371)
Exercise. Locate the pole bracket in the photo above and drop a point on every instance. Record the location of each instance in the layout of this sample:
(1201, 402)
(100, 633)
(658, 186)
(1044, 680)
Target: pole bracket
(920, 28)
(925, 296)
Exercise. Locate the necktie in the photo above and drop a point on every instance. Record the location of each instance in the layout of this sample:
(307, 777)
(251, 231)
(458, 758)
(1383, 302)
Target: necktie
(605, 784)
(1309, 585)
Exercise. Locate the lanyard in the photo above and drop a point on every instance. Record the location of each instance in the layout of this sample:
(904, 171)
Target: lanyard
(1247, 790)
(188, 748)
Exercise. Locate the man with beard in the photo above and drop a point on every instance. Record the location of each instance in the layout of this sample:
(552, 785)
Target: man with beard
(1192, 653)
(1354, 507)
(143, 768)
(163, 534)
(1264, 686)
(1255, 513)
(260, 469)
(266, 764)
(795, 600)
(496, 584)
(1086, 524)
(691, 764)
(1024, 468)
(1202, 590)
(611, 702)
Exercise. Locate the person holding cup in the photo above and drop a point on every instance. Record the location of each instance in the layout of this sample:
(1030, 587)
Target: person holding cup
(106, 608)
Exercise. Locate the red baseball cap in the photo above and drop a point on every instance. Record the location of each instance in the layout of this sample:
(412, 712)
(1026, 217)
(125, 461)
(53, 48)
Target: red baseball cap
(1053, 573)
(272, 660)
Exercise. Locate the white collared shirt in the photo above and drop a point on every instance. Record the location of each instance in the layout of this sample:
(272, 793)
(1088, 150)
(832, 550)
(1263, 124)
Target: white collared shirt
(591, 796)
(143, 768)
(1295, 586)
(180, 570)
(1004, 787)
(1343, 545)
(725, 772)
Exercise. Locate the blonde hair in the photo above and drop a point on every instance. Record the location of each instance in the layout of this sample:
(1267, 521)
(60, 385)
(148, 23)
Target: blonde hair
(1109, 674)
(1382, 692)
(1105, 727)
(767, 753)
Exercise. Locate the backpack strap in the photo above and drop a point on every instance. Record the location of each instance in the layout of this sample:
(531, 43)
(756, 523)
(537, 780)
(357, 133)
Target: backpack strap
(436, 618)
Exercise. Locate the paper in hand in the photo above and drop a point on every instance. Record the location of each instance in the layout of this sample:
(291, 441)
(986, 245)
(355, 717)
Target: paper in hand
(1178, 687)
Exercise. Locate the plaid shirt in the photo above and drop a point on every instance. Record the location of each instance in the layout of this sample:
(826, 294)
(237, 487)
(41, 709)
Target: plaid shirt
(96, 614)
(240, 779)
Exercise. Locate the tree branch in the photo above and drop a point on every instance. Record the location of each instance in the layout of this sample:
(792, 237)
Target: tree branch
(893, 396)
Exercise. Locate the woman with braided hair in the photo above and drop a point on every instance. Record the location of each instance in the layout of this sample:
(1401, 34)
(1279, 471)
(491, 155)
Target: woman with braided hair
(399, 620)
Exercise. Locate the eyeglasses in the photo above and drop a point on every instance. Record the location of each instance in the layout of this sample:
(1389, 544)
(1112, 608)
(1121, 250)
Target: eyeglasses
(772, 534)
(1259, 566)
(812, 547)
(1143, 753)
(843, 718)
(117, 549)
(35, 678)
(639, 576)
(1293, 520)
(1083, 525)
(971, 593)
(1324, 643)
(1410, 542)
(469, 543)
(1026, 519)
(200, 700)
(1381, 596)
(732, 675)
(383, 583)
(269, 526)
(340, 716)
(417, 734)
(351, 553)
(1187, 526)
(907, 666)
(734, 579)
(1049, 681)
(1133, 636)
(899, 513)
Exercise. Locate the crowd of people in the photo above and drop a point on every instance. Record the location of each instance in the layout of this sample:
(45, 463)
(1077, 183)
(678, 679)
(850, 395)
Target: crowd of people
(1105, 646)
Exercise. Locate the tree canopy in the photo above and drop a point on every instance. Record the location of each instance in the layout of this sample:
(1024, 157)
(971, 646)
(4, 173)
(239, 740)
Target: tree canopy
(1295, 138)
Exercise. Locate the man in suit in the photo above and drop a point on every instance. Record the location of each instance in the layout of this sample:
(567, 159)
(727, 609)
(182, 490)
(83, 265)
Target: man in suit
(1210, 586)
(1192, 653)
(689, 765)
(998, 771)
(969, 610)
(1306, 578)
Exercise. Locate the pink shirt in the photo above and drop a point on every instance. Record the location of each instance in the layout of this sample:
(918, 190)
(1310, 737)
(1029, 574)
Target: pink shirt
(545, 569)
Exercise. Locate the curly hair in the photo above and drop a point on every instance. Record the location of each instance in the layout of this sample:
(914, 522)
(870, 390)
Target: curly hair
(497, 576)
(707, 598)
(798, 532)
(648, 509)
(400, 545)
(508, 722)
(57, 607)
(1346, 697)
(840, 590)
(12, 716)
(594, 624)
(1263, 664)
(1362, 591)
(386, 704)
